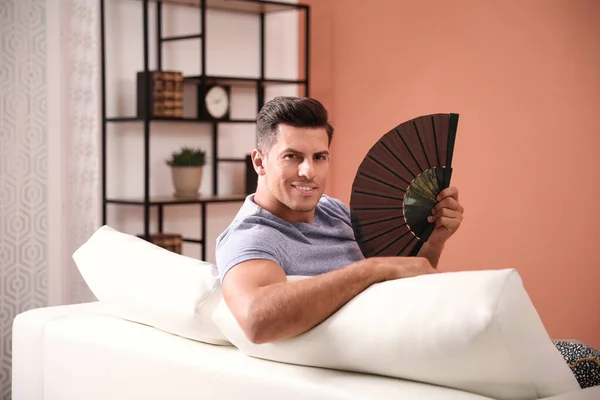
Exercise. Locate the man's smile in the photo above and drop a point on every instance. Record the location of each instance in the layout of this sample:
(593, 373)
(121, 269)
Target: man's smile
(304, 188)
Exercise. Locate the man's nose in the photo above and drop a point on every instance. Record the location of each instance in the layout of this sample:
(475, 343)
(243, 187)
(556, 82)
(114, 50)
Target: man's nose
(307, 169)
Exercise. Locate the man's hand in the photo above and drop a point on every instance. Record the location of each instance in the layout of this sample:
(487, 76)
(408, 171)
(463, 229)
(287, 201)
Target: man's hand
(447, 216)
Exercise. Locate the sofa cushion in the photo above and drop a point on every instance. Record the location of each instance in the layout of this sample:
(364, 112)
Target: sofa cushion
(148, 284)
(476, 331)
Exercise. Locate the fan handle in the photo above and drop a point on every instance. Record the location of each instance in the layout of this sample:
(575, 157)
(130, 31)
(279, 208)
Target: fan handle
(452, 127)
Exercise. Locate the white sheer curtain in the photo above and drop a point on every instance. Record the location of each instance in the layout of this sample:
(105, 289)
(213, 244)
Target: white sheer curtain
(82, 132)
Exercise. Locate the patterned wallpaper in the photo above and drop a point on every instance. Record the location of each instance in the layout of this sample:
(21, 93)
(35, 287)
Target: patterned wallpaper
(24, 184)
(23, 168)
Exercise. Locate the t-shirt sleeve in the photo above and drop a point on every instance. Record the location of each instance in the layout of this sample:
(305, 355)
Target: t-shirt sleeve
(340, 210)
(246, 241)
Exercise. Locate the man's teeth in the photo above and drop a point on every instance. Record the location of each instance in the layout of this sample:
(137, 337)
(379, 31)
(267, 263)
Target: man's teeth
(304, 188)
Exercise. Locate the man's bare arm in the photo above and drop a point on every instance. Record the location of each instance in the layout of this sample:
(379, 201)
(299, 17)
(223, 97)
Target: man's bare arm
(269, 308)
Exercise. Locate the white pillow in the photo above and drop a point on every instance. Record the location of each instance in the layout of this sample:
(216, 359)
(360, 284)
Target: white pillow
(145, 283)
(476, 331)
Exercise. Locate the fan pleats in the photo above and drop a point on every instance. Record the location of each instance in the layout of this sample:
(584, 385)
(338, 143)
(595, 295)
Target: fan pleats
(396, 185)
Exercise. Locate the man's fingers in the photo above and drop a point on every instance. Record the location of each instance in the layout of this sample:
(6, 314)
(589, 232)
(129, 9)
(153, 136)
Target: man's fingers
(448, 192)
(450, 203)
(450, 224)
(446, 213)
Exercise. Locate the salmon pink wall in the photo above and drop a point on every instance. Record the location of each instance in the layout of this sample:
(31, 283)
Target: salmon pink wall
(525, 78)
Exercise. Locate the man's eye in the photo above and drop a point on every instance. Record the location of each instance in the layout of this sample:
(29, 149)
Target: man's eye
(289, 156)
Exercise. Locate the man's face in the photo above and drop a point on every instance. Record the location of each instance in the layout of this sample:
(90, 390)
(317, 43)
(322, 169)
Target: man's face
(296, 169)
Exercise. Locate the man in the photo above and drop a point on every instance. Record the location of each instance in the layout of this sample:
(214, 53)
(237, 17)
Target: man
(290, 227)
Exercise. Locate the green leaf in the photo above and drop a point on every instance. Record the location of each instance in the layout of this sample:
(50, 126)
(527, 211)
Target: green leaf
(187, 156)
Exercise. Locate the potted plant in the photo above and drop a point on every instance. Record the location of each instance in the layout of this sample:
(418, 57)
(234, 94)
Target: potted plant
(186, 167)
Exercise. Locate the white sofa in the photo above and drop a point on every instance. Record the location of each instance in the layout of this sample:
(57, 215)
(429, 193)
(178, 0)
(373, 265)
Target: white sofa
(80, 352)
(161, 330)
(77, 352)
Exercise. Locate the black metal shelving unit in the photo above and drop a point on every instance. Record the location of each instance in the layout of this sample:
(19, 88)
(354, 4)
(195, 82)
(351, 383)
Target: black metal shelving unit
(256, 7)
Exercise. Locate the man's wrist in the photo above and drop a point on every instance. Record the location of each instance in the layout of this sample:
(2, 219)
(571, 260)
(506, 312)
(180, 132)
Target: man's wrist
(432, 251)
(435, 247)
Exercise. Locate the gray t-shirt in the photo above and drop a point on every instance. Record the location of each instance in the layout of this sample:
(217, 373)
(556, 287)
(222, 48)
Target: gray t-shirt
(299, 248)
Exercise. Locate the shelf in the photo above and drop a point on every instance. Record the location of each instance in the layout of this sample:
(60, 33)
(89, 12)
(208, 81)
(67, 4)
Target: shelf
(165, 200)
(184, 37)
(240, 6)
(181, 120)
(190, 240)
(152, 9)
(242, 81)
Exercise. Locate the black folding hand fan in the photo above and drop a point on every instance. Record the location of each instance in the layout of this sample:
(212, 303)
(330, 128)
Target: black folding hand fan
(397, 183)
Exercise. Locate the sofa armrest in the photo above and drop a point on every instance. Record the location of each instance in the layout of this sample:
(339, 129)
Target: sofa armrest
(28, 346)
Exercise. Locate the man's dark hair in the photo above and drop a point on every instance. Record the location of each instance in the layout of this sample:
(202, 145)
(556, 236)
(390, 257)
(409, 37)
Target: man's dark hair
(302, 112)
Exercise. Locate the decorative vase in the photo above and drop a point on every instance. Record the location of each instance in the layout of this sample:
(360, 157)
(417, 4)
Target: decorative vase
(186, 180)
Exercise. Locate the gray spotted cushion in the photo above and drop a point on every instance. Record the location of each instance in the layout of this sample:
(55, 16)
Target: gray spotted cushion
(583, 360)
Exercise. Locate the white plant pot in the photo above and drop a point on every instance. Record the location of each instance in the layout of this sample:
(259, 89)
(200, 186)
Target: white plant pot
(186, 181)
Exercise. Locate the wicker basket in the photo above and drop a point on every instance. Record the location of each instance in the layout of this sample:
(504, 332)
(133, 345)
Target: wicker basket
(169, 241)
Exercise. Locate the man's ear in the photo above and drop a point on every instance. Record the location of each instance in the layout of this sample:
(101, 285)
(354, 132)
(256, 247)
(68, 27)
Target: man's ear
(259, 161)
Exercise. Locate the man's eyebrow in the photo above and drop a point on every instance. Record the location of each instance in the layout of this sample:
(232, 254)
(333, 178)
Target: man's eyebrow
(290, 150)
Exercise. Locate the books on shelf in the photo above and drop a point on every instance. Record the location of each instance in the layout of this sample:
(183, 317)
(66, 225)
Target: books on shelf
(165, 92)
